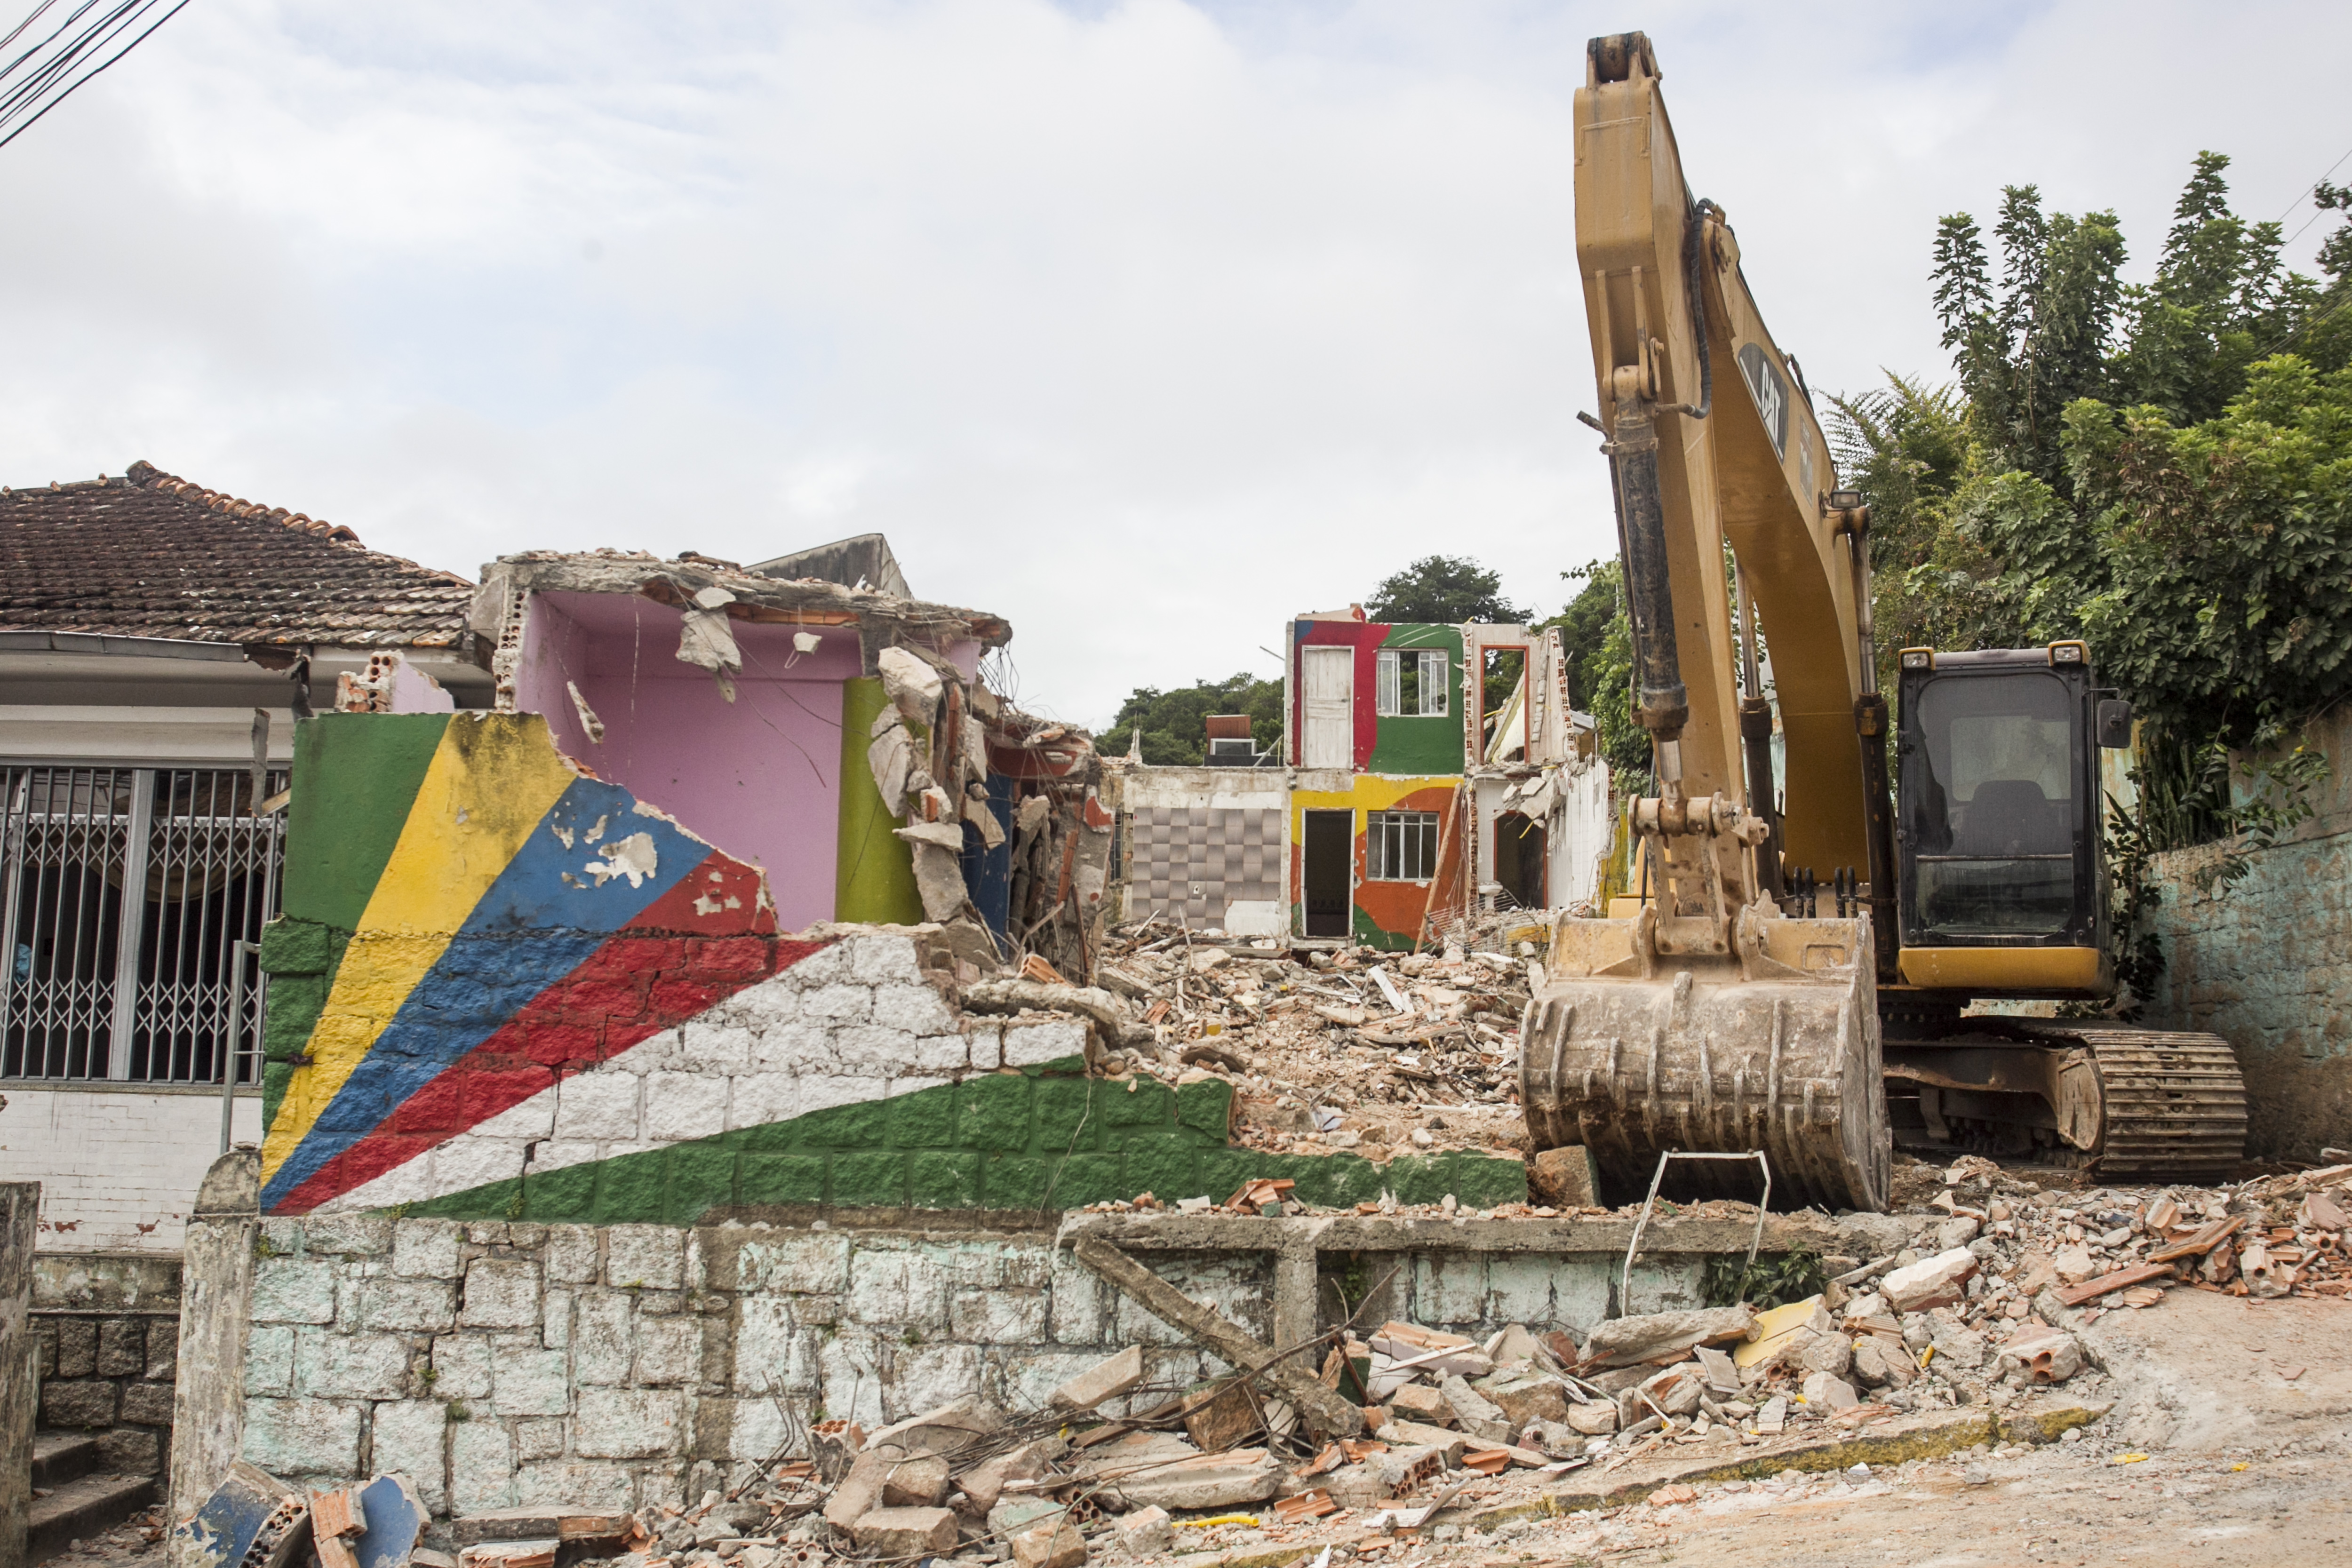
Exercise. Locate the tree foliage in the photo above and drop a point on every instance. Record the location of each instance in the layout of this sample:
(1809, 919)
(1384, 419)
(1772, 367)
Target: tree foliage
(2162, 469)
(1597, 636)
(1175, 722)
(1445, 590)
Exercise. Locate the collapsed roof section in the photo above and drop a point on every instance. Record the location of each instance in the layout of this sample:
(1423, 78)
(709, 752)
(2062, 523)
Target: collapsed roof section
(840, 738)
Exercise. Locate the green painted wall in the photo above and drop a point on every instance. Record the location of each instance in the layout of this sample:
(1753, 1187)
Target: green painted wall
(1410, 744)
(355, 777)
(1041, 1139)
(874, 871)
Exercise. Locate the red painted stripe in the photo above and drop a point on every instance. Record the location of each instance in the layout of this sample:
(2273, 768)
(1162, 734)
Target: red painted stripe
(643, 980)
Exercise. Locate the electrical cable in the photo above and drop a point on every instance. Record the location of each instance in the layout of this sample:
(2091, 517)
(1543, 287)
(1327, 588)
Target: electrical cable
(44, 75)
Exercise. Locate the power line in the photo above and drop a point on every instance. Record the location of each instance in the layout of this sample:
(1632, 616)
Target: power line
(42, 75)
(2313, 186)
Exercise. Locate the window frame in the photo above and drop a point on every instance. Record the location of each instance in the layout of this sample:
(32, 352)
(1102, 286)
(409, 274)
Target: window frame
(1396, 842)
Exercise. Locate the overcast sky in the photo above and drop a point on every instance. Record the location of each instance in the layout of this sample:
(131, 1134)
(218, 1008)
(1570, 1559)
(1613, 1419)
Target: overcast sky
(1144, 323)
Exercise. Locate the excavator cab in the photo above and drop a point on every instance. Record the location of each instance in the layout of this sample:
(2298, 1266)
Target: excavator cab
(2001, 881)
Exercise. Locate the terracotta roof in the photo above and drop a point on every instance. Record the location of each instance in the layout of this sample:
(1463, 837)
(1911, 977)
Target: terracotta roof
(151, 554)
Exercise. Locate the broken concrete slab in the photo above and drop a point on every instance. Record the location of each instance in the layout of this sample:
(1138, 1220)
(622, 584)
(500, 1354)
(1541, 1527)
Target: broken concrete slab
(1625, 1342)
(983, 1484)
(1420, 1402)
(917, 1483)
(1525, 1397)
(252, 1518)
(1475, 1414)
(947, 1431)
(905, 1531)
(1204, 1480)
(547, 1522)
(1937, 1282)
(1104, 1380)
(860, 1491)
(1146, 1531)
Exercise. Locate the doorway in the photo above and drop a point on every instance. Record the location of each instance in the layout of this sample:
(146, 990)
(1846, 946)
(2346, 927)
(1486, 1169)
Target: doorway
(1519, 859)
(1330, 675)
(1328, 873)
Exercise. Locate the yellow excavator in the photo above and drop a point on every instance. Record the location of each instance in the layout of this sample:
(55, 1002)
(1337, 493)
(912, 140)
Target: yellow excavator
(1794, 974)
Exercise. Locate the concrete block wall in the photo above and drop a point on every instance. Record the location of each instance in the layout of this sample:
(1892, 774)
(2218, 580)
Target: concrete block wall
(118, 1164)
(106, 1335)
(500, 1364)
(2268, 966)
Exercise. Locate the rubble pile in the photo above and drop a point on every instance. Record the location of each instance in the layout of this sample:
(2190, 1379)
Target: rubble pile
(1377, 1053)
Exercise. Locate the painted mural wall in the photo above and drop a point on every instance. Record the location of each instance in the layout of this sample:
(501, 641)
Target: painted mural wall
(504, 990)
(1386, 743)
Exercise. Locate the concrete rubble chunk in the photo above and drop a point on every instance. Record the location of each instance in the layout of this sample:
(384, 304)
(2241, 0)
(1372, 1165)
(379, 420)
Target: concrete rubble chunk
(1830, 1352)
(1527, 1397)
(983, 1484)
(2074, 1264)
(1878, 1365)
(919, 1483)
(1625, 1342)
(1007, 1519)
(1597, 1419)
(948, 1430)
(1722, 1375)
(860, 1491)
(1823, 1392)
(1104, 1380)
(1475, 1414)
(1564, 1178)
(1420, 1402)
(1676, 1391)
(905, 1531)
(511, 1554)
(1515, 1344)
(1414, 1435)
(1055, 1543)
(1937, 1281)
(1773, 1418)
(1205, 1480)
(1145, 1532)
(2040, 1357)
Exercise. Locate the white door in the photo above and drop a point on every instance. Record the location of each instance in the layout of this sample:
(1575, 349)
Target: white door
(1330, 707)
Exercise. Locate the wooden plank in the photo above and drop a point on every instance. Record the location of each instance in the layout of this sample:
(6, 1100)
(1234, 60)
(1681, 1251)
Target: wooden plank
(1324, 1412)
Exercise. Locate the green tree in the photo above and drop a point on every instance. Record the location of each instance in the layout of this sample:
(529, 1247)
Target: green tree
(1444, 590)
(1596, 635)
(1175, 722)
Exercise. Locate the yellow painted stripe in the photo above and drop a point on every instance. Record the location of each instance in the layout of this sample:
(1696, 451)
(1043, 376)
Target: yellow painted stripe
(491, 780)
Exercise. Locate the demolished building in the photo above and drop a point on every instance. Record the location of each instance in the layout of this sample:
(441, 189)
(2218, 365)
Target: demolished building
(1429, 775)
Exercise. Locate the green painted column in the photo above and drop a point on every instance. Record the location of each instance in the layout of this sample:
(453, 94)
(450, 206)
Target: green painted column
(874, 870)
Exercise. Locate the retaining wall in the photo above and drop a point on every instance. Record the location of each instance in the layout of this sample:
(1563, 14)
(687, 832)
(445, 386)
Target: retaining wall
(2267, 963)
(499, 1364)
(106, 1334)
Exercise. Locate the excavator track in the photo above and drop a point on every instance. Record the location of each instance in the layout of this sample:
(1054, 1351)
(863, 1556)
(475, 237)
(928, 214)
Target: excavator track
(2174, 1102)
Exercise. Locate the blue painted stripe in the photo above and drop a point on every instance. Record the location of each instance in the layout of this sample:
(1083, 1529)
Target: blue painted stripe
(546, 913)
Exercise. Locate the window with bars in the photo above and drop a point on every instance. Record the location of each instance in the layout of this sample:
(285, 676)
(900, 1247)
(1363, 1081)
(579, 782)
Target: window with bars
(124, 888)
(1410, 681)
(1400, 846)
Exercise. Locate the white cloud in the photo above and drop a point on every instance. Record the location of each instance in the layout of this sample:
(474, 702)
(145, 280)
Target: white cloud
(1143, 323)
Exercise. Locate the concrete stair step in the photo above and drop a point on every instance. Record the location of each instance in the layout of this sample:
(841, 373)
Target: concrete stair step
(62, 1457)
(83, 1508)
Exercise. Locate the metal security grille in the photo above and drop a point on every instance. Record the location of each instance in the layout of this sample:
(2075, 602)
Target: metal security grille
(1401, 846)
(124, 889)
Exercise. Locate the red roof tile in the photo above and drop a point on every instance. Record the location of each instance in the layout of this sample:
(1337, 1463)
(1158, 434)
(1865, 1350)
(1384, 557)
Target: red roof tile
(151, 554)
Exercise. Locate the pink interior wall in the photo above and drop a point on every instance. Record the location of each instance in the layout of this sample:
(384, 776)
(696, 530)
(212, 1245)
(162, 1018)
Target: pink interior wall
(757, 777)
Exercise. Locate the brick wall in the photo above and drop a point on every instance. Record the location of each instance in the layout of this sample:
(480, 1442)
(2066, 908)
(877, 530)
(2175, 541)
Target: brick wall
(118, 1166)
(106, 1334)
(499, 1364)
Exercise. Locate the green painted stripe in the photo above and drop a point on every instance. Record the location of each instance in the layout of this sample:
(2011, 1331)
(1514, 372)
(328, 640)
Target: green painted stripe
(355, 776)
(1032, 1139)
(874, 870)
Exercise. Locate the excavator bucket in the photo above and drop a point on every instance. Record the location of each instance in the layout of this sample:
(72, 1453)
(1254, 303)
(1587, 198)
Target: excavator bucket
(1775, 1047)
